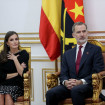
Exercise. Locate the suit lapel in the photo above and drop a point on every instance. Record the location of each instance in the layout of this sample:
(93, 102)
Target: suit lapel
(85, 54)
(73, 57)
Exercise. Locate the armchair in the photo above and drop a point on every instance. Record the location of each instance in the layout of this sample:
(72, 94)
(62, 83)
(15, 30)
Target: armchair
(98, 79)
(25, 100)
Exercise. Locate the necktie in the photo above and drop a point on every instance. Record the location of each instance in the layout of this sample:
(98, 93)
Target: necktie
(78, 59)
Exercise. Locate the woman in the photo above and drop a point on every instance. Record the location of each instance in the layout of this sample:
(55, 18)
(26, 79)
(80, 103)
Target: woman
(13, 63)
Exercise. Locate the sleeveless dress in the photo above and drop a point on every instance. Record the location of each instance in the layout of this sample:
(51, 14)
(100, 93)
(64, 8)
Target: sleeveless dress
(13, 86)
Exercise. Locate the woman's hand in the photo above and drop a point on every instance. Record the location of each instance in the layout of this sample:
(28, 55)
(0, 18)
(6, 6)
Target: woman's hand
(11, 56)
(23, 65)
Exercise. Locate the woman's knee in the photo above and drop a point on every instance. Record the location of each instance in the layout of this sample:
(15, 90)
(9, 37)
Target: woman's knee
(1, 96)
(1, 99)
(8, 96)
(8, 100)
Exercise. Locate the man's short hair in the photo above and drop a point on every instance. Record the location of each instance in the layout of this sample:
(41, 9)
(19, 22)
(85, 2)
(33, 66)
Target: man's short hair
(78, 23)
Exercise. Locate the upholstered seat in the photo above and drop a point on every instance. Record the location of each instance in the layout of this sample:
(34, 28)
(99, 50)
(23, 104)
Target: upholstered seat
(25, 100)
(97, 82)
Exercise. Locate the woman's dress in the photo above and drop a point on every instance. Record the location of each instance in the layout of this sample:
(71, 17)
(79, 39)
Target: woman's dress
(13, 86)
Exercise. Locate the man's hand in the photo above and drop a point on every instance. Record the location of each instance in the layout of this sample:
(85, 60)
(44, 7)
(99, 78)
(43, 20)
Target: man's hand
(79, 82)
(72, 82)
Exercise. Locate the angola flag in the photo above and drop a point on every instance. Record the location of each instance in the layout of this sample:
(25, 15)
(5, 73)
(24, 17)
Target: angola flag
(50, 24)
(72, 11)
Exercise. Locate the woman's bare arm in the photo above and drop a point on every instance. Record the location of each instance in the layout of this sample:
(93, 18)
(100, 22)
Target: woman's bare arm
(9, 76)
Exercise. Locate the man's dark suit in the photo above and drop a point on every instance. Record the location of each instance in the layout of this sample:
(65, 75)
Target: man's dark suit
(91, 62)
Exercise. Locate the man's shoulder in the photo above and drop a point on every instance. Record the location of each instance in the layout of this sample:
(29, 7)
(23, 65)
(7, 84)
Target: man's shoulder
(93, 45)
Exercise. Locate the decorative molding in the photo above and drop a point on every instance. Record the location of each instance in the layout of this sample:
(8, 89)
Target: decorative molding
(24, 33)
(36, 39)
(26, 42)
(102, 41)
(38, 42)
(1, 38)
(42, 59)
(32, 85)
(31, 42)
(45, 57)
(96, 37)
(26, 38)
(44, 80)
(29, 38)
(96, 31)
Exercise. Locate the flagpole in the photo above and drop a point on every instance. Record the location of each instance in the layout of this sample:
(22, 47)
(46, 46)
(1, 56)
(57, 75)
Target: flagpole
(56, 65)
(64, 19)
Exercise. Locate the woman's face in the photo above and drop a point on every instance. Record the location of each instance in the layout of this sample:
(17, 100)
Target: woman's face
(13, 42)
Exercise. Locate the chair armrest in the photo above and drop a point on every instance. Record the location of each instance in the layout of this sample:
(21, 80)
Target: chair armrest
(27, 82)
(52, 80)
(57, 73)
(97, 82)
(101, 74)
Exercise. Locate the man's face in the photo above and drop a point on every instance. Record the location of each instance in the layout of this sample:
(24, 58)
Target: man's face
(80, 34)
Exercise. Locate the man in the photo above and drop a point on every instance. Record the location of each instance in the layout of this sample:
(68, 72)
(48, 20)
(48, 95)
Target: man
(77, 67)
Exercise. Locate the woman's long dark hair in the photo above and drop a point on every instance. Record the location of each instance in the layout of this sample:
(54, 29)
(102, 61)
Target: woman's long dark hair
(6, 49)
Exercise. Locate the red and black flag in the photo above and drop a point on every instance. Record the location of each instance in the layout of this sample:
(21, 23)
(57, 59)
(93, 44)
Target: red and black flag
(72, 11)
